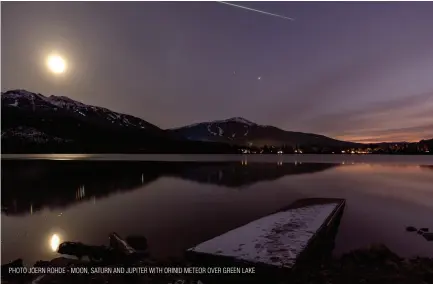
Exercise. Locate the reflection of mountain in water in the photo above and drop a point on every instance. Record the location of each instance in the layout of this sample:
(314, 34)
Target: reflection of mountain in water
(244, 174)
(30, 186)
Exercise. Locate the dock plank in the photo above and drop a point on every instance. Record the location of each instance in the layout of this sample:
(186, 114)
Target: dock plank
(275, 240)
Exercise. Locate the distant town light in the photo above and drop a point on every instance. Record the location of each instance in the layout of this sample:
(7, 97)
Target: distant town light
(280, 152)
(343, 152)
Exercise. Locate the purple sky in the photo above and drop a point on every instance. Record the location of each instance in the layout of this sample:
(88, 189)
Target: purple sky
(354, 71)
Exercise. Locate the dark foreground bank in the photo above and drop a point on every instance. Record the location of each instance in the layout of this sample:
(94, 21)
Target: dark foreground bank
(374, 265)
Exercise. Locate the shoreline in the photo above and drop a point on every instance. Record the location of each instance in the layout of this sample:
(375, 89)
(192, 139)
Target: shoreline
(344, 159)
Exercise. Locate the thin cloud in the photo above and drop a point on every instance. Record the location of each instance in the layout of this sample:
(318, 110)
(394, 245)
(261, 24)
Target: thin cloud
(378, 117)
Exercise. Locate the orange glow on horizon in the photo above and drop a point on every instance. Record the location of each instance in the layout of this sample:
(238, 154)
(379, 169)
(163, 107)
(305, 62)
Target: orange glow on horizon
(381, 139)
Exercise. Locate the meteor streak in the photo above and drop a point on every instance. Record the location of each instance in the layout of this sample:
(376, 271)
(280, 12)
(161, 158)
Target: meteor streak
(251, 9)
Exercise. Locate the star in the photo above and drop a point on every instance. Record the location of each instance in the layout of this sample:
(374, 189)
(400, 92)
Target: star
(259, 78)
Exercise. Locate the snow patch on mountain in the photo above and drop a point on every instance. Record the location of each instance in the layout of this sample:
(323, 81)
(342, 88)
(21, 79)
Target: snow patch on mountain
(112, 116)
(66, 102)
(14, 104)
(239, 120)
(210, 130)
(17, 94)
(25, 99)
(126, 121)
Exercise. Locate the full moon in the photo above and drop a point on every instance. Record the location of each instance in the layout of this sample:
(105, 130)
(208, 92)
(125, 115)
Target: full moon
(56, 64)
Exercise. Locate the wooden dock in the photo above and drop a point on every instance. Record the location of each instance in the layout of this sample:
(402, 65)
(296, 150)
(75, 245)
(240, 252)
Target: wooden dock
(283, 240)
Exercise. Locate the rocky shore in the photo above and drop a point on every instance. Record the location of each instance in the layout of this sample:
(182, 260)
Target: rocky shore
(376, 264)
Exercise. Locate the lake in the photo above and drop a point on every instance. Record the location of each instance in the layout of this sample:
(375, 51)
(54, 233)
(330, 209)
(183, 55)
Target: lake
(178, 201)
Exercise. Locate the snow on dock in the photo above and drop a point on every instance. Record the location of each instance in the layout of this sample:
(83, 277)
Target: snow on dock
(275, 240)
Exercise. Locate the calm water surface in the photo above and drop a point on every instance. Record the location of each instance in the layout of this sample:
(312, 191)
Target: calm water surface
(177, 205)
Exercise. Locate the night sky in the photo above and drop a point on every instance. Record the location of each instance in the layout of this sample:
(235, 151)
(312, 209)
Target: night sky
(354, 71)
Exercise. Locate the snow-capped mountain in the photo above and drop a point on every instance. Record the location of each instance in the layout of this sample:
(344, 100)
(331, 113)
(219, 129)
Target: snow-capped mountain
(34, 123)
(240, 131)
(30, 119)
(25, 100)
(219, 130)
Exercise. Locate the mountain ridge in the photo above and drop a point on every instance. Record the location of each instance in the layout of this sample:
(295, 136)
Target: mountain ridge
(242, 131)
(40, 101)
(61, 123)
(35, 123)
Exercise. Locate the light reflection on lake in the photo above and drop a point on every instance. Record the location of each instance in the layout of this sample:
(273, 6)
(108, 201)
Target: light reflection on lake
(177, 205)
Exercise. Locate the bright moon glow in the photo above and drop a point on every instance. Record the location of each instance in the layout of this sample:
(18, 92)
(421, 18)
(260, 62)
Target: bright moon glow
(54, 242)
(56, 64)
